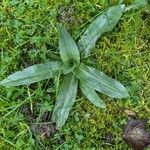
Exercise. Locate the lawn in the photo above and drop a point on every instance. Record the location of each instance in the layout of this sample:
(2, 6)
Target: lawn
(29, 35)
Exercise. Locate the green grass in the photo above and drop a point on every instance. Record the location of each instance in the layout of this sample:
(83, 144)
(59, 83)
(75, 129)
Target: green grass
(28, 33)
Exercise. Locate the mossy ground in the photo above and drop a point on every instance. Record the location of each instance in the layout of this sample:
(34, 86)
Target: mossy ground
(28, 34)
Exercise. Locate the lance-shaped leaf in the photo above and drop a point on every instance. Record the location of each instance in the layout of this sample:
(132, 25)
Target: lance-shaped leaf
(32, 74)
(65, 100)
(67, 47)
(91, 95)
(101, 82)
(103, 23)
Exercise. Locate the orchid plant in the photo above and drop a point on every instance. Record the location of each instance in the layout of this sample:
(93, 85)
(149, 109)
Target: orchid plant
(74, 72)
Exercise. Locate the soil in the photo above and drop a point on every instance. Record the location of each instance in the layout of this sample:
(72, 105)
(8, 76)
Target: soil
(66, 14)
(44, 128)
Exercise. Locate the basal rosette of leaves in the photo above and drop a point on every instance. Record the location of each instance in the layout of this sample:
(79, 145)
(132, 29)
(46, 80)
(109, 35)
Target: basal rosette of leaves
(74, 72)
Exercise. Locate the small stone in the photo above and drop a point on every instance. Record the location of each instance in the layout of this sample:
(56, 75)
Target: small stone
(130, 112)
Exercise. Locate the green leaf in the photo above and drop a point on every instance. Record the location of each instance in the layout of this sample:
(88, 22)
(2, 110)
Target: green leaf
(103, 23)
(101, 82)
(91, 95)
(32, 74)
(67, 47)
(65, 100)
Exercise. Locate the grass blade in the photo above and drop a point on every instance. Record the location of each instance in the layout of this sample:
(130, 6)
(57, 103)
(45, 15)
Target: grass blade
(136, 4)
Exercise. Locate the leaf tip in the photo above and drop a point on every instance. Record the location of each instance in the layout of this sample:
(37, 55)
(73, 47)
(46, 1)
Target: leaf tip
(124, 94)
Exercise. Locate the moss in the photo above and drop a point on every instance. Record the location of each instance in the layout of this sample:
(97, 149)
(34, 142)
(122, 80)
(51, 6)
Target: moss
(29, 35)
